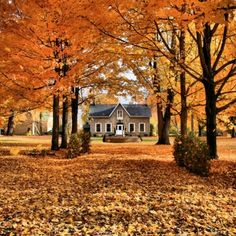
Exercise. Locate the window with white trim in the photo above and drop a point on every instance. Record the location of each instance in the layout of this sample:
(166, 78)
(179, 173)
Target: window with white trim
(131, 127)
(108, 127)
(119, 114)
(141, 127)
(98, 127)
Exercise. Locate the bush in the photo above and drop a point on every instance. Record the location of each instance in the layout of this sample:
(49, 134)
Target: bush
(151, 130)
(174, 131)
(193, 154)
(74, 146)
(85, 141)
(79, 143)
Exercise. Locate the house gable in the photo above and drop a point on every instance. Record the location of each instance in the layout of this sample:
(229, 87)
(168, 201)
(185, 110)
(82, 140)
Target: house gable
(119, 107)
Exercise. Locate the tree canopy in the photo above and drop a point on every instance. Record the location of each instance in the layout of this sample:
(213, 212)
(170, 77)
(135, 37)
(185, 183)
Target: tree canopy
(180, 49)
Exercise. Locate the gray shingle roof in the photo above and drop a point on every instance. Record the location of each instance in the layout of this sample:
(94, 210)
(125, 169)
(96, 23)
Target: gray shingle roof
(138, 110)
(101, 110)
(104, 110)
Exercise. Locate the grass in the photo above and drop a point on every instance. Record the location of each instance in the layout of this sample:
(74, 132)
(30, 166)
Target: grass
(118, 189)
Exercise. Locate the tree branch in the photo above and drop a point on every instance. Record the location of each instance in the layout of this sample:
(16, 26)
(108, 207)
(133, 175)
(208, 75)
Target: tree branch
(222, 47)
(233, 61)
(222, 108)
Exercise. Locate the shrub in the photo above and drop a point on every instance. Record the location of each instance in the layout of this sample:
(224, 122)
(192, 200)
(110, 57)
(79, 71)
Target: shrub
(79, 143)
(44, 152)
(74, 146)
(85, 141)
(193, 154)
(179, 151)
(151, 130)
(173, 131)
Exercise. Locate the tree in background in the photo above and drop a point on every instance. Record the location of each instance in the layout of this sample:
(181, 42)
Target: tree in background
(211, 26)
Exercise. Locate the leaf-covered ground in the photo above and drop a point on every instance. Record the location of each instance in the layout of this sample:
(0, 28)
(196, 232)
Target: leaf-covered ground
(118, 189)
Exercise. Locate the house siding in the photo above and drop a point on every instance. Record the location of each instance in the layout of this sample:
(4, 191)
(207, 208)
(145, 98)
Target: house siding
(126, 120)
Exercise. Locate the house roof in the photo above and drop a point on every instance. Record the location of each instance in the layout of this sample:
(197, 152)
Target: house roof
(133, 110)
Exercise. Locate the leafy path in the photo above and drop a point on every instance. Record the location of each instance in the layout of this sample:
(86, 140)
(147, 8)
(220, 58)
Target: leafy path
(116, 190)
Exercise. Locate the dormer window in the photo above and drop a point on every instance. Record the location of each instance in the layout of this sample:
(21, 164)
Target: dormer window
(119, 115)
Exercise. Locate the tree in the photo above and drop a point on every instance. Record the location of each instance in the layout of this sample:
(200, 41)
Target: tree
(65, 112)
(206, 22)
(47, 44)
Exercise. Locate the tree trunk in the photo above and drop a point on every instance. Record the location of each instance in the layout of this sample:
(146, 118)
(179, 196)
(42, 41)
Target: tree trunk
(164, 134)
(204, 40)
(200, 128)
(164, 137)
(159, 119)
(233, 133)
(64, 122)
(74, 110)
(163, 126)
(163, 120)
(211, 119)
(41, 123)
(10, 125)
(163, 131)
(192, 122)
(184, 109)
(55, 128)
(209, 85)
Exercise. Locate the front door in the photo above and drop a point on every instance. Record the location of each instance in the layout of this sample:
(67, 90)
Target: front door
(119, 129)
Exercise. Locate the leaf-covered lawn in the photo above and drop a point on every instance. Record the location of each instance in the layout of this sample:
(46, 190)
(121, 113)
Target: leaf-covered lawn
(119, 189)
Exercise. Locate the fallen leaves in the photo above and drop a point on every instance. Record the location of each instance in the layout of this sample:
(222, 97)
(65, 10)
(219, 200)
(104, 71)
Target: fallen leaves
(115, 193)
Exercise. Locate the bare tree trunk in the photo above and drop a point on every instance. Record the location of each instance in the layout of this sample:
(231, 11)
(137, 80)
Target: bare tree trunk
(10, 125)
(184, 109)
(159, 119)
(200, 128)
(64, 122)
(41, 123)
(204, 48)
(55, 128)
(164, 137)
(211, 119)
(233, 133)
(192, 122)
(74, 110)
(162, 126)
(164, 134)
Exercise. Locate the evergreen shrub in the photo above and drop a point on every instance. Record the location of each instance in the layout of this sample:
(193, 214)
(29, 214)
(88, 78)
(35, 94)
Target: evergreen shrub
(74, 146)
(85, 141)
(193, 154)
(78, 144)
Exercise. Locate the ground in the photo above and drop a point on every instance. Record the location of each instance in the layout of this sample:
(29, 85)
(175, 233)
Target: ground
(117, 189)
